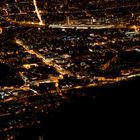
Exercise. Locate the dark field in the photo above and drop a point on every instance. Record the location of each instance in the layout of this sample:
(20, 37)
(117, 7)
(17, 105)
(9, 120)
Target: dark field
(100, 112)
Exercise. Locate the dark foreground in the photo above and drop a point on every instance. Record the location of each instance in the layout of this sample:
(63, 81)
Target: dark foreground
(109, 112)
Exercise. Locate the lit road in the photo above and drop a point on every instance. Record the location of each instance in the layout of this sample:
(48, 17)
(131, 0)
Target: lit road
(48, 62)
(43, 59)
(25, 23)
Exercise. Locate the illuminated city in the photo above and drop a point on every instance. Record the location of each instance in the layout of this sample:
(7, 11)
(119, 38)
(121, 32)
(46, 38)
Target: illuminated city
(59, 53)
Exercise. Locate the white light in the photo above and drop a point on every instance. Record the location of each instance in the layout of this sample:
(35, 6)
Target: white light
(37, 12)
